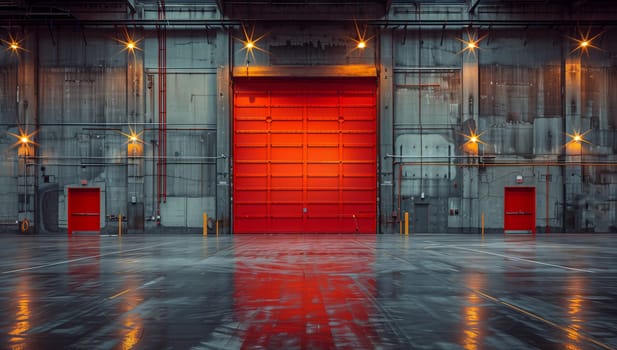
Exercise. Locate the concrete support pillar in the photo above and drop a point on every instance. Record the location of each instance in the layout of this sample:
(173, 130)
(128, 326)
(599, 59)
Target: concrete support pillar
(386, 178)
(223, 133)
(470, 198)
(135, 149)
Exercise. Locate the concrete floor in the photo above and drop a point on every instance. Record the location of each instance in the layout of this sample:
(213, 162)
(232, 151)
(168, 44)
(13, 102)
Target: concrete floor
(309, 292)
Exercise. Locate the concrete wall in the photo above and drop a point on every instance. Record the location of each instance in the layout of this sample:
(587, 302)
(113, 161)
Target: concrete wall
(524, 90)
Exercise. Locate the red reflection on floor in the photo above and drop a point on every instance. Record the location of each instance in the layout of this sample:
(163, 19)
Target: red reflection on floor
(83, 256)
(304, 292)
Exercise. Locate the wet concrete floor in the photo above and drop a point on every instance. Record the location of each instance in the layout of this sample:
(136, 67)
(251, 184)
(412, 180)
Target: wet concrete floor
(433, 291)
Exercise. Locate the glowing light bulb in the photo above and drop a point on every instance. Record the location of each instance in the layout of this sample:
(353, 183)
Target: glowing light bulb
(24, 139)
(249, 45)
(361, 44)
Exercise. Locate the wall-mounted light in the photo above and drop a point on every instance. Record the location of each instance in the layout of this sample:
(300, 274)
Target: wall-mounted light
(134, 143)
(575, 145)
(133, 136)
(25, 142)
(472, 141)
(584, 42)
(13, 45)
(249, 42)
(578, 137)
(360, 38)
(471, 43)
(130, 43)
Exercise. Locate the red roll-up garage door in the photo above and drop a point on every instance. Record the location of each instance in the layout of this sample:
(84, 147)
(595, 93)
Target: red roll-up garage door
(304, 155)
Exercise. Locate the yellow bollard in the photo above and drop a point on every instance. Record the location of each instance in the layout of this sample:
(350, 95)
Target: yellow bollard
(400, 227)
(217, 228)
(119, 224)
(205, 228)
(406, 224)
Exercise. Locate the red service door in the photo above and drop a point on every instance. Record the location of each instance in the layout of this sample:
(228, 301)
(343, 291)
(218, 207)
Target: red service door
(520, 209)
(84, 209)
(304, 155)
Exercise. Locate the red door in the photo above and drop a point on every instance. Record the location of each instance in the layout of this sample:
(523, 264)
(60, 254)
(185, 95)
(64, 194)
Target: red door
(304, 156)
(84, 209)
(520, 209)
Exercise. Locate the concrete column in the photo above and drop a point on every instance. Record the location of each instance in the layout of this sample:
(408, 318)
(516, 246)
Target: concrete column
(223, 133)
(470, 103)
(386, 178)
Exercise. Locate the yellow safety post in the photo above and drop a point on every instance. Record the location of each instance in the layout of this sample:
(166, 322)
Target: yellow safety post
(205, 228)
(400, 227)
(119, 224)
(217, 228)
(406, 224)
(482, 225)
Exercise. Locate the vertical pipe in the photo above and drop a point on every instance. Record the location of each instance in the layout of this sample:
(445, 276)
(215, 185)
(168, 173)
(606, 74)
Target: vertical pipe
(119, 225)
(406, 224)
(217, 228)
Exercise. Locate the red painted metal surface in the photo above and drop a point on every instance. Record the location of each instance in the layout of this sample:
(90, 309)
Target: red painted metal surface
(84, 209)
(304, 156)
(520, 209)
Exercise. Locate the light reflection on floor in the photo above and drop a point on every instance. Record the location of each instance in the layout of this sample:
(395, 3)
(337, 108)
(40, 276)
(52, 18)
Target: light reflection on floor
(308, 292)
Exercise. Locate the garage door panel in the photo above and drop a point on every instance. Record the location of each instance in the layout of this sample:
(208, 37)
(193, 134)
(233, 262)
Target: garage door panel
(292, 138)
(252, 126)
(251, 182)
(359, 125)
(287, 181)
(357, 195)
(331, 182)
(286, 153)
(358, 153)
(319, 154)
(325, 169)
(287, 99)
(358, 113)
(322, 138)
(253, 154)
(324, 125)
(286, 195)
(252, 210)
(359, 168)
(251, 196)
(358, 181)
(252, 99)
(249, 113)
(287, 113)
(362, 100)
(323, 210)
(322, 196)
(250, 168)
(323, 113)
(324, 100)
(243, 138)
(360, 138)
(286, 125)
(287, 210)
(308, 148)
(282, 169)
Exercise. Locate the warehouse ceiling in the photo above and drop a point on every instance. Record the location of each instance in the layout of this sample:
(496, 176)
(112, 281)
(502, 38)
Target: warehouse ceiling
(89, 12)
